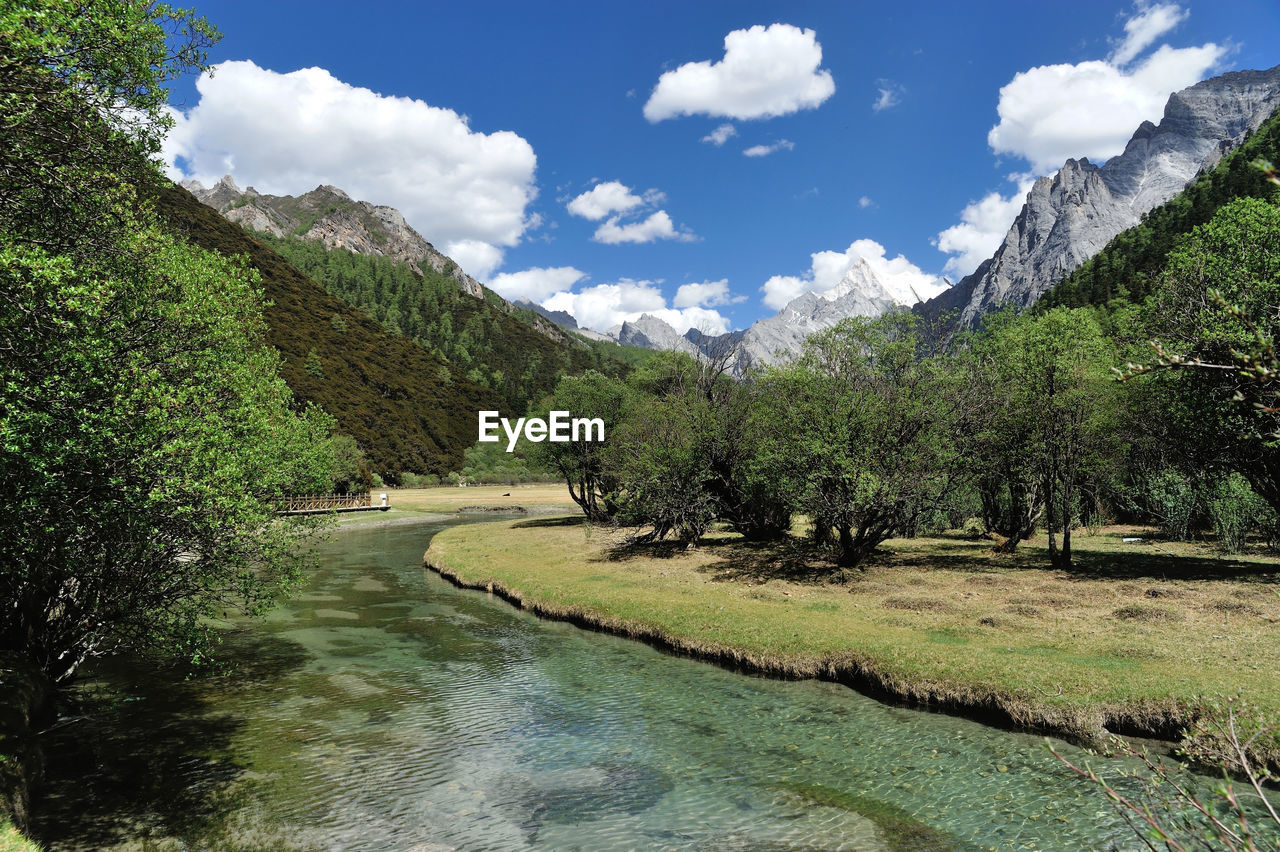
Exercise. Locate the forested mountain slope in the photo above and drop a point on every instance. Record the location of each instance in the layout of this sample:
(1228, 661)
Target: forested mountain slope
(1129, 265)
(485, 338)
(408, 409)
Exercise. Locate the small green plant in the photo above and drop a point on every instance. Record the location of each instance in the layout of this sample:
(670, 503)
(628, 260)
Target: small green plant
(312, 365)
(1234, 509)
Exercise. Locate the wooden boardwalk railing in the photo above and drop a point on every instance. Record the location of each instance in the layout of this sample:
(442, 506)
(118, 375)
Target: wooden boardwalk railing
(306, 504)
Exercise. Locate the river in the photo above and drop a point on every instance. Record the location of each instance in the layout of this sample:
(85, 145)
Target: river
(381, 708)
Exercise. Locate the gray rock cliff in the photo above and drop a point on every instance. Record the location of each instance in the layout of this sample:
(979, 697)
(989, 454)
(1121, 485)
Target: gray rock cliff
(1069, 217)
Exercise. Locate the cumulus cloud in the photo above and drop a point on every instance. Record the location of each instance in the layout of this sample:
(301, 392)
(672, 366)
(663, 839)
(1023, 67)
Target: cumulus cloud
(982, 228)
(766, 150)
(606, 198)
(827, 268)
(864, 202)
(617, 201)
(658, 226)
(1053, 112)
(706, 294)
(602, 306)
(536, 284)
(721, 135)
(1142, 30)
(465, 190)
(765, 72)
(889, 95)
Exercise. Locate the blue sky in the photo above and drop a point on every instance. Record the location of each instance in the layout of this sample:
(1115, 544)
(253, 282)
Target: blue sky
(568, 152)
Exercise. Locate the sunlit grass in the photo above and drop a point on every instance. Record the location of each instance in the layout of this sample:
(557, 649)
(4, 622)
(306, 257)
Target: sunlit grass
(451, 498)
(11, 840)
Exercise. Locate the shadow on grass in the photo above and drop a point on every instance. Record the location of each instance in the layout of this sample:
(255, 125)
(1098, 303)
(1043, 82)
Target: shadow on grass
(572, 521)
(1142, 562)
(141, 754)
(1163, 566)
(798, 560)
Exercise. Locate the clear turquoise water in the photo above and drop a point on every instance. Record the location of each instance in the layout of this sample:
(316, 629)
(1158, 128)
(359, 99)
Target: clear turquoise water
(384, 709)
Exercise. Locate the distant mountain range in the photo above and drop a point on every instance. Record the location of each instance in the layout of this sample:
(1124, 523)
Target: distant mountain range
(1067, 218)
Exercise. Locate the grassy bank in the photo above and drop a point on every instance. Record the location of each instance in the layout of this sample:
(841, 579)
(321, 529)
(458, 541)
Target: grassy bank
(1126, 642)
(535, 499)
(12, 840)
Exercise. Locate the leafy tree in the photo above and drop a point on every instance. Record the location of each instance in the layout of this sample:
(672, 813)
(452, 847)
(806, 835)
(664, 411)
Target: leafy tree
(313, 365)
(659, 458)
(82, 109)
(1046, 435)
(716, 412)
(144, 440)
(1215, 316)
(145, 436)
(999, 439)
(1049, 436)
(1065, 364)
(862, 432)
(582, 462)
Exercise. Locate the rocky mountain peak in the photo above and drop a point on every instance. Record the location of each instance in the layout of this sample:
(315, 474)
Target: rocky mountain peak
(1070, 216)
(330, 216)
(654, 333)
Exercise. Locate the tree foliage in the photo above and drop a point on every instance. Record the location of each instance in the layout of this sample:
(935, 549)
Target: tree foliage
(1218, 310)
(862, 433)
(493, 347)
(145, 434)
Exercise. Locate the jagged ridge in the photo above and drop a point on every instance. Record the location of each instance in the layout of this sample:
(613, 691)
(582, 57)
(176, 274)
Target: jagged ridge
(1071, 216)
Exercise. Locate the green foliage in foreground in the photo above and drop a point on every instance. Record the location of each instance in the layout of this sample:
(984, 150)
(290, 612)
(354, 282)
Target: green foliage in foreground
(144, 440)
(145, 433)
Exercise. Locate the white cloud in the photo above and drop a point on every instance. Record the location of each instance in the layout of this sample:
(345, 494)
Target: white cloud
(1090, 109)
(721, 135)
(864, 202)
(765, 72)
(606, 198)
(658, 226)
(476, 257)
(617, 201)
(1142, 30)
(827, 268)
(982, 228)
(706, 294)
(536, 284)
(603, 306)
(766, 150)
(287, 133)
(890, 95)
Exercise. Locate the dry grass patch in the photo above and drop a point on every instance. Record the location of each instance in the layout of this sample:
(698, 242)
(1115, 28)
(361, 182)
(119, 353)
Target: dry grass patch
(938, 620)
(448, 498)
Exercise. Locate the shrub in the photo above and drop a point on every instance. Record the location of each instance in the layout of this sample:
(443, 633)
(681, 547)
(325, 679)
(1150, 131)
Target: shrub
(1234, 509)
